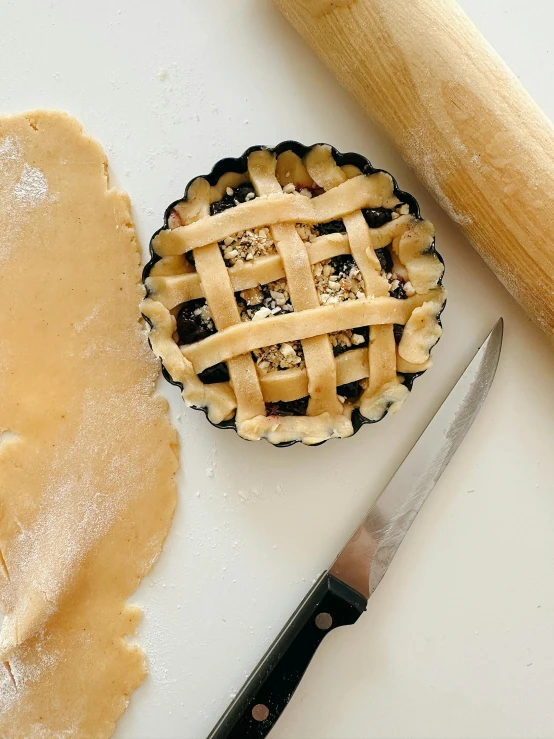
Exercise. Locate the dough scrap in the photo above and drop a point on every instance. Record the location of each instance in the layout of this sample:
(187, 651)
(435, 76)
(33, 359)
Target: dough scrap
(87, 454)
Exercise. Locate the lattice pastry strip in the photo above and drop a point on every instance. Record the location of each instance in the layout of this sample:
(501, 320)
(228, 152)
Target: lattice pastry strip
(341, 247)
(382, 348)
(218, 291)
(318, 355)
(219, 294)
(351, 367)
(172, 288)
(358, 192)
(244, 337)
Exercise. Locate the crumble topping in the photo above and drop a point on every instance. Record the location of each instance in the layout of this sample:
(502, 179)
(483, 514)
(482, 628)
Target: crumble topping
(279, 357)
(338, 279)
(247, 245)
(399, 285)
(261, 302)
(342, 341)
(205, 316)
(290, 187)
(307, 232)
(264, 300)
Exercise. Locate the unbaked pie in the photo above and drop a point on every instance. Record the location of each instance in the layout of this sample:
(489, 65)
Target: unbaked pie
(294, 293)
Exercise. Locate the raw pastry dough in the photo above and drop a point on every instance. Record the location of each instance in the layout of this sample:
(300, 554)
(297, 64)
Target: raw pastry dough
(87, 455)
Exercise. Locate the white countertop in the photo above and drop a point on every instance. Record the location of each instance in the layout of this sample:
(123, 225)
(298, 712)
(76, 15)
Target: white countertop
(458, 640)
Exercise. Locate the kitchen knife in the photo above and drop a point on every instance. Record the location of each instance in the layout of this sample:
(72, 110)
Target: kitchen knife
(340, 595)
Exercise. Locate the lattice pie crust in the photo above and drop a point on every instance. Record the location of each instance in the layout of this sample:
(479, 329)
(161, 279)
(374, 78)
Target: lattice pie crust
(287, 264)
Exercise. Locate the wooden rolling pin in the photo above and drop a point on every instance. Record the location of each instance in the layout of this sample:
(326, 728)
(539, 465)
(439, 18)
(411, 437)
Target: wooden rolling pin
(460, 118)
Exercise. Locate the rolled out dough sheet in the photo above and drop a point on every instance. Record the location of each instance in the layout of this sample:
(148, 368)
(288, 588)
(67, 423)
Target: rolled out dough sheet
(87, 454)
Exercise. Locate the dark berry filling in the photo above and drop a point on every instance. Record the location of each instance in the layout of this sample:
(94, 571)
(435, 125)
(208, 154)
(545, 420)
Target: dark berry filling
(250, 301)
(240, 195)
(291, 408)
(398, 329)
(332, 227)
(217, 373)
(399, 293)
(315, 190)
(377, 217)
(350, 390)
(342, 265)
(385, 259)
(193, 322)
(226, 202)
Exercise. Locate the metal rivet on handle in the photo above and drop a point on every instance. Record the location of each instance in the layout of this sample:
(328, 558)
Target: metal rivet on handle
(260, 712)
(324, 621)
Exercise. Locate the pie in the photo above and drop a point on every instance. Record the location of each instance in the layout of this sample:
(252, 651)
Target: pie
(294, 293)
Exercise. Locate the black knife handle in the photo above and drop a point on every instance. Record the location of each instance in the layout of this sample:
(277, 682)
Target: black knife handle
(262, 699)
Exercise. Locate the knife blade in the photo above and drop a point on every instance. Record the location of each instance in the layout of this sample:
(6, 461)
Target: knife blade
(340, 595)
